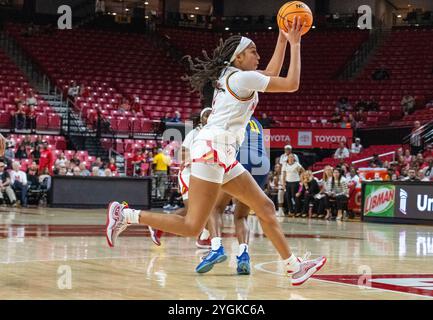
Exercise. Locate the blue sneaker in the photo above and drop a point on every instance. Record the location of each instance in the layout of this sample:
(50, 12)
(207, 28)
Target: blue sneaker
(212, 258)
(243, 263)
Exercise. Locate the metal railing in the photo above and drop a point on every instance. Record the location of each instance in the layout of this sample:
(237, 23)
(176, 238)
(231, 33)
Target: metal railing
(426, 132)
(393, 153)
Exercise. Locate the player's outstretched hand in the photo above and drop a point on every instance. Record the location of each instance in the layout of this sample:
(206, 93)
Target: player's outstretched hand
(294, 33)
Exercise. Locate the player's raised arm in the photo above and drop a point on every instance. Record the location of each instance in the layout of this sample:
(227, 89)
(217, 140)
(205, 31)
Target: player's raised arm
(274, 66)
(290, 83)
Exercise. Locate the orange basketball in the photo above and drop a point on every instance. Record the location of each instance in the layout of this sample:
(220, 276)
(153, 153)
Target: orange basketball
(290, 10)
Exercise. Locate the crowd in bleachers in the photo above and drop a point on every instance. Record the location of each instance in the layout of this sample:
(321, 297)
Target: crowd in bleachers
(297, 192)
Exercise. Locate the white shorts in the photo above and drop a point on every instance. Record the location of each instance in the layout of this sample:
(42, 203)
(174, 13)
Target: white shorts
(183, 178)
(214, 160)
(216, 173)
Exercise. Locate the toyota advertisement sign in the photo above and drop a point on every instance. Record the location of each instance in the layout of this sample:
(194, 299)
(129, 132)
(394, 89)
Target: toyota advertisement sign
(397, 202)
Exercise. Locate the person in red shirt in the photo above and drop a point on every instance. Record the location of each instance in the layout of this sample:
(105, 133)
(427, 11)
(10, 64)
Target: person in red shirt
(137, 160)
(47, 159)
(112, 166)
(429, 151)
(136, 107)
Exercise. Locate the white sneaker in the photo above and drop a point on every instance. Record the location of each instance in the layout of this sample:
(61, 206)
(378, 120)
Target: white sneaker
(116, 222)
(307, 269)
(167, 207)
(175, 207)
(280, 212)
(291, 269)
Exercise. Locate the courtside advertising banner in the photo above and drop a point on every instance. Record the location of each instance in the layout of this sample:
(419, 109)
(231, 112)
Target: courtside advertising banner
(308, 138)
(379, 200)
(414, 201)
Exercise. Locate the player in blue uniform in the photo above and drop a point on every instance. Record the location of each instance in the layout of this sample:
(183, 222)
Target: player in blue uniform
(252, 155)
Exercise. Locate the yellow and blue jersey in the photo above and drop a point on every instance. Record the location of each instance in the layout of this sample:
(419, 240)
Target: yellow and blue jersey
(252, 153)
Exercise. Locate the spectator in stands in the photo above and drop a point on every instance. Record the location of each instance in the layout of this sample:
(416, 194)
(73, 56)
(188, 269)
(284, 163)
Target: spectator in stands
(343, 104)
(20, 117)
(277, 173)
(73, 91)
(31, 99)
(411, 177)
(5, 186)
(76, 171)
(352, 178)
(21, 153)
(46, 160)
(342, 152)
(272, 187)
(95, 171)
(376, 161)
(161, 163)
(75, 160)
(31, 118)
(428, 171)
(291, 171)
(61, 160)
(112, 166)
(98, 163)
(305, 197)
(266, 121)
(337, 116)
(124, 106)
(45, 178)
(177, 117)
(20, 97)
(136, 107)
(166, 118)
(83, 170)
(345, 123)
(32, 177)
(420, 161)
(27, 142)
(9, 153)
(137, 160)
(356, 146)
(337, 193)
(108, 173)
(422, 177)
(19, 182)
(36, 154)
(407, 104)
(286, 154)
(39, 141)
(62, 170)
(428, 151)
(352, 121)
(416, 140)
(381, 74)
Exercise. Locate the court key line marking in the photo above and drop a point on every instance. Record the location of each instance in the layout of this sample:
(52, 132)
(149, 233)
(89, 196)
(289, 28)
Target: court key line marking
(260, 268)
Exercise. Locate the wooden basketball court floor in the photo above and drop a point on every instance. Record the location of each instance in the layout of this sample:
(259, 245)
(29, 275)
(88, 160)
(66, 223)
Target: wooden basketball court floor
(62, 254)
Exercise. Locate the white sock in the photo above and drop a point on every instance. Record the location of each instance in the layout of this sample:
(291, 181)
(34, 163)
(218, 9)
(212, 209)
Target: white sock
(216, 243)
(132, 216)
(242, 248)
(292, 263)
(204, 235)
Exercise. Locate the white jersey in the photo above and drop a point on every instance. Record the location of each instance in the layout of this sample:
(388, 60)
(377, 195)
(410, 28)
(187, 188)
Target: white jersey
(189, 138)
(234, 102)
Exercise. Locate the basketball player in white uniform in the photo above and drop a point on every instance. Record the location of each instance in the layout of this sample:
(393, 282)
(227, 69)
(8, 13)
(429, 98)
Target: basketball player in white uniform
(232, 70)
(183, 177)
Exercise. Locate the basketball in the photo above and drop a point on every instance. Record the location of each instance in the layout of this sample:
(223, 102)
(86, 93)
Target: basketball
(290, 10)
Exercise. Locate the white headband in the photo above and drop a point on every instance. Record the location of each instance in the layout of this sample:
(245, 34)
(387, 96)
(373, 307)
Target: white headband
(203, 111)
(245, 42)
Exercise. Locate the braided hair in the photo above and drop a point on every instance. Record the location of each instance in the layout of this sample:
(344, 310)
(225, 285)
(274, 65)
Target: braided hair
(207, 70)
